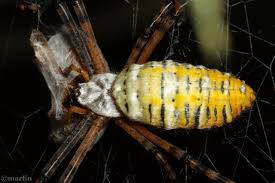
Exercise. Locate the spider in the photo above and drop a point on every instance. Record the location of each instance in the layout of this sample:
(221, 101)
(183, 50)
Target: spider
(93, 101)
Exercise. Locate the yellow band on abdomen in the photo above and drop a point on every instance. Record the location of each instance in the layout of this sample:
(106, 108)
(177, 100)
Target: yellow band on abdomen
(171, 95)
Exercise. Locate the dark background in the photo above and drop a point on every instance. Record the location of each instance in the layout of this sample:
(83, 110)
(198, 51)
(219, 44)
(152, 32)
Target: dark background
(24, 92)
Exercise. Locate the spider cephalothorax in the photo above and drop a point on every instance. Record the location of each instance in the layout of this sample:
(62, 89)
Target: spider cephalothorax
(96, 95)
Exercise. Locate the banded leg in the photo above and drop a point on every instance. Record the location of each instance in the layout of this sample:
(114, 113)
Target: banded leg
(97, 64)
(51, 69)
(181, 155)
(146, 43)
(98, 61)
(155, 39)
(93, 135)
(148, 146)
(143, 39)
(65, 148)
(75, 36)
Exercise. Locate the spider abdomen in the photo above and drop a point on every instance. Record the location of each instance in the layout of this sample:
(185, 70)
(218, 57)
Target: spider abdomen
(172, 95)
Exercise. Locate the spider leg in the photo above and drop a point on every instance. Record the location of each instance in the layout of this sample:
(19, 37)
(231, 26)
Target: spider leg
(75, 110)
(75, 35)
(156, 37)
(147, 42)
(93, 135)
(99, 65)
(65, 148)
(149, 146)
(143, 39)
(181, 155)
(98, 61)
(82, 72)
(78, 110)
(51, 70)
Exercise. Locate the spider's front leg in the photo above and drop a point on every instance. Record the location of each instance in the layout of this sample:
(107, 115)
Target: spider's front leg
(82, 72)
(98, 61)
(85, 77)
(60, 82)
(60, 79)
(85, 69)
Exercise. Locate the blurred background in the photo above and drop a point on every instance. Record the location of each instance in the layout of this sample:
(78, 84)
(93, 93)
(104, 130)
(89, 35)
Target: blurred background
(241, 151)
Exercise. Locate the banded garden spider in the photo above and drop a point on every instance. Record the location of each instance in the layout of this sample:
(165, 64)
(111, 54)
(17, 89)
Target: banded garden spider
(90, 60)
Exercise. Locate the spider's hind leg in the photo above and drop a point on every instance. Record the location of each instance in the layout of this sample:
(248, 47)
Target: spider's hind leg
(149, 146)
(75, 35)
(182, 155)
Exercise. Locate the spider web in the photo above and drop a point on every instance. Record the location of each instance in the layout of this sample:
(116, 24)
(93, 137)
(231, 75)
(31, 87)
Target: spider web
(242, 151)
